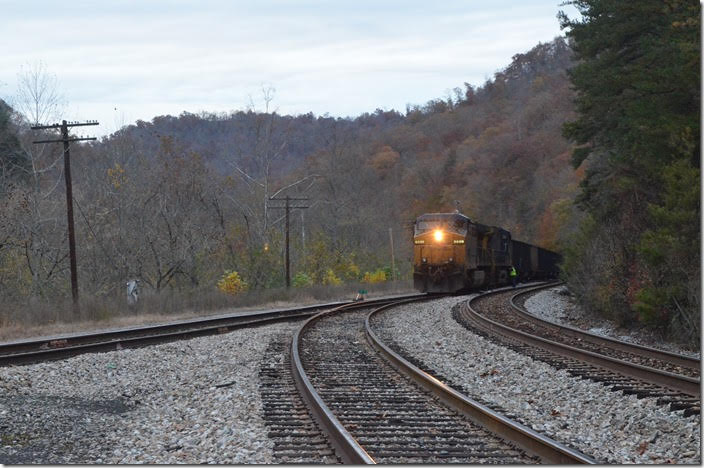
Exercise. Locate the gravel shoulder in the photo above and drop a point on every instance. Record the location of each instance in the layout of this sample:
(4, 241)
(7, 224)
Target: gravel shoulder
(160, 404)
(558, 306)
(611, 427)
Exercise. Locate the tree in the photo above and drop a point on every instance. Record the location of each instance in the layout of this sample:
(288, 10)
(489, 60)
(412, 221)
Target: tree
(38, 97)
(254, 168)
(638, 134)
(33, 222)
(14, 165)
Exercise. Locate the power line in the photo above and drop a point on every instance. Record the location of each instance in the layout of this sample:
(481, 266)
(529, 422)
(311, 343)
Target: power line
(65, 139)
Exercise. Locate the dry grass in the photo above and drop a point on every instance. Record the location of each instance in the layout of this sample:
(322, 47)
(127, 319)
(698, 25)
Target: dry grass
(57, 318)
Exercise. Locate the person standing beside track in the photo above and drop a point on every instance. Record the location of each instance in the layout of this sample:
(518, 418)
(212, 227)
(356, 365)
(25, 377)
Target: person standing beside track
(514, 275)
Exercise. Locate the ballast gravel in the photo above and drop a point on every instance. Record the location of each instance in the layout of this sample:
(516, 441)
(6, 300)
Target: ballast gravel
(587, 416)
(559, 306)
(192, 401)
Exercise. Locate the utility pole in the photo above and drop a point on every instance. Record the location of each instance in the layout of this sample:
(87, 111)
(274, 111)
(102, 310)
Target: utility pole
(288, 208)
(64, 126)
(393, 263)
(303, 233)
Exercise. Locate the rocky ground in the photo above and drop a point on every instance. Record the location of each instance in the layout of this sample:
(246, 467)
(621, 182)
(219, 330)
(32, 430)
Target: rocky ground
(197, 401)
(559, 306)
(193, 401)
(609, 426)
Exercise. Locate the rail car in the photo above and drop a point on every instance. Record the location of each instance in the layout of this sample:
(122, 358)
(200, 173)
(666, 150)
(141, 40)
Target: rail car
(453, 253)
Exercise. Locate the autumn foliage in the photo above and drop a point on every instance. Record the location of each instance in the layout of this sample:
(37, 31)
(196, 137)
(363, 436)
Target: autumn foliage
(179, 200)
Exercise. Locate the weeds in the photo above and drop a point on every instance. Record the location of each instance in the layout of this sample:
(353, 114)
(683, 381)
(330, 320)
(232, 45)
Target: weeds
(44, 318)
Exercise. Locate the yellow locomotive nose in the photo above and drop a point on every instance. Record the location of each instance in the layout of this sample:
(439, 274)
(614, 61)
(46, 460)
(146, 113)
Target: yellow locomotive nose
(438, 235)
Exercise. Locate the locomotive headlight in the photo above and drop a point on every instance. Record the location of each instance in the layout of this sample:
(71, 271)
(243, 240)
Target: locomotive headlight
(438, 235)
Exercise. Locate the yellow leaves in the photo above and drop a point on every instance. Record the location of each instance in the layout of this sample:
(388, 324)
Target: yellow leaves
(330, 278)
(379, 276)
(116, 176)
(231, 283)
(352, 270)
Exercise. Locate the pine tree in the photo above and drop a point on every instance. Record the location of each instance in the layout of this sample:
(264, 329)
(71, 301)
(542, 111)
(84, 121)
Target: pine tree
(638, 134)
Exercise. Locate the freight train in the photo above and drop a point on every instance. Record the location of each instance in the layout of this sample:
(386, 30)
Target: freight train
(452, 253)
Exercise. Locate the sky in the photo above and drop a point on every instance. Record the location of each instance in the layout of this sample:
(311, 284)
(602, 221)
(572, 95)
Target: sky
(122, 61)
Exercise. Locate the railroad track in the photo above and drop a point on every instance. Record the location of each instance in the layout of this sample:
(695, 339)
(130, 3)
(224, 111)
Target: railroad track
(646, 372)
(374, 414)
(30, 351)
(295, 435)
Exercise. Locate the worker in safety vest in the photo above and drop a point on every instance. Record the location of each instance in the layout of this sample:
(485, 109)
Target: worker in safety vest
(514, 275)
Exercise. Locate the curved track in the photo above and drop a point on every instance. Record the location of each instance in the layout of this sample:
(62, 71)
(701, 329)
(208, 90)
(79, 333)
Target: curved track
(623, 366)
(61, 347)
(374, 414)
(637, 354)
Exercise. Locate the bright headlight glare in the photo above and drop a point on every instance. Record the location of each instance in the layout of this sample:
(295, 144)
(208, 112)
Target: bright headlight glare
(438, 234)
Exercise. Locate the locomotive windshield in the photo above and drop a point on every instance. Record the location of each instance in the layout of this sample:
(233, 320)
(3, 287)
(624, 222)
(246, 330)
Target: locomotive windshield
(450, 222)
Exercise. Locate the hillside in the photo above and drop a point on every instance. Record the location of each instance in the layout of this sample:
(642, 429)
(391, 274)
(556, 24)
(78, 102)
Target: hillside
(179, 200)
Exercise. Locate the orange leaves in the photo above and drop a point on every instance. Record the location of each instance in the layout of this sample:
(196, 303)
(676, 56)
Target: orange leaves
(384, 160)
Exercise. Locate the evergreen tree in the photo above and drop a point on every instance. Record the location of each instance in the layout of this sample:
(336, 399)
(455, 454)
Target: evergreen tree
(638, 134)
(13, 164)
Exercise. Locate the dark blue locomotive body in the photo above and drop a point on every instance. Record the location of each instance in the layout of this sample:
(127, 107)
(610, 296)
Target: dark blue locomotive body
(452, 253)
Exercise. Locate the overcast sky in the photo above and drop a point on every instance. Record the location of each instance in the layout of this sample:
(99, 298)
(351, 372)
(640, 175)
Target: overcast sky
(120, 61)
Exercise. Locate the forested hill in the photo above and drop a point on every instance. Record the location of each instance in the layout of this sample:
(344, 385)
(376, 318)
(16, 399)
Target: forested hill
(179, 201)
(497, 149)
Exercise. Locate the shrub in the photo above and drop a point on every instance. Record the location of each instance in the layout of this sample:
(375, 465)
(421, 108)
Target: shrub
(231, 283)
(301, 280)
(379, 276)
(330, 278)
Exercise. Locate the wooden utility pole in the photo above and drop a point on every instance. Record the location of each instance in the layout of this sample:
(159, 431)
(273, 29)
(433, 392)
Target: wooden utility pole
(393, 263)
(288, 208)
(64, 126)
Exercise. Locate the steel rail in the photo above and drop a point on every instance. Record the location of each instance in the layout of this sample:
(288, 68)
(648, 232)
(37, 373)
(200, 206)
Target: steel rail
(31, 344)
(44, 349)
(547, 449)
(662, 355)
(676, 382)
(346, 446)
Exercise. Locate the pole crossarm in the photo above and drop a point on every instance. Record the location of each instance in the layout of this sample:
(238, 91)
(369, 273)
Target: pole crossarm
(291, 198)
(68, 124)
(62, 140)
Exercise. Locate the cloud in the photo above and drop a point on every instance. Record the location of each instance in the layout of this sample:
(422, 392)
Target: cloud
(345, 58)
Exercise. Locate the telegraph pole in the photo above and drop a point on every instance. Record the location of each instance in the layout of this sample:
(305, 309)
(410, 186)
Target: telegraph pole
(393, 263)
(288, 208)
(64, 126)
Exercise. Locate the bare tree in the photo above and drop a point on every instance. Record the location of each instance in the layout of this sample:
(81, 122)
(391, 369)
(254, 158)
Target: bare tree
(254, 167)
(38, 97)
(34, 226)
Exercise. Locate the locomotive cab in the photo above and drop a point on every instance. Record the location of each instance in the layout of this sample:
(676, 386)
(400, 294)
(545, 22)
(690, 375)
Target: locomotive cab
(440, 251)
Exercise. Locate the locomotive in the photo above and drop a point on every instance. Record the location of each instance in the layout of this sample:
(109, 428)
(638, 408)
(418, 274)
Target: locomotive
(453, 253)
